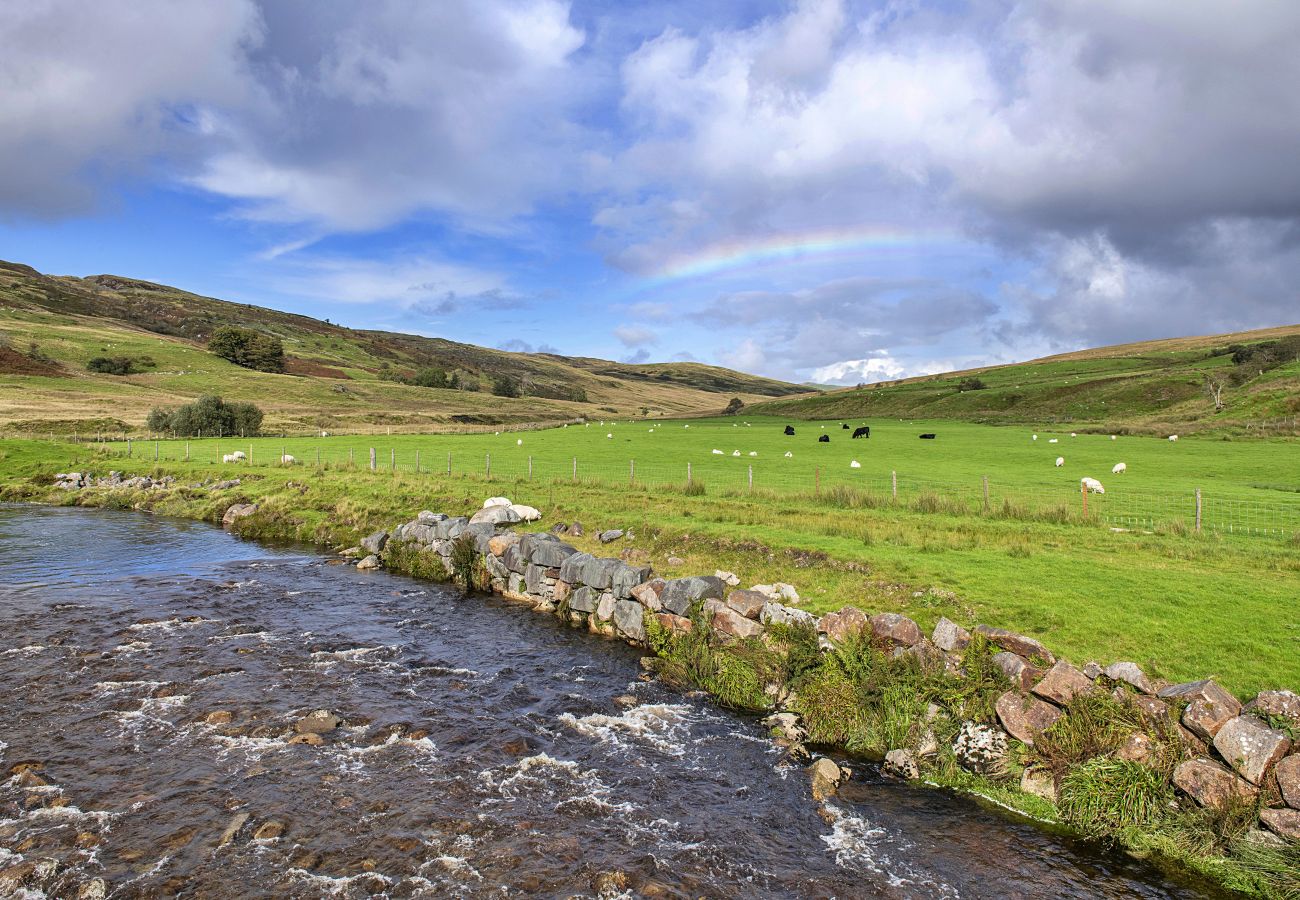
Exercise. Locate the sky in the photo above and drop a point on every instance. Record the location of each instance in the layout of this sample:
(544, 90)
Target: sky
(827, 190)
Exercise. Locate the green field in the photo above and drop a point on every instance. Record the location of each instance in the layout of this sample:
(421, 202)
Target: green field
(1185, 605)
(1250, 486)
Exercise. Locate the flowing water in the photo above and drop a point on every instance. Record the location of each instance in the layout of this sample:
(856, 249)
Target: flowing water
(484, 750)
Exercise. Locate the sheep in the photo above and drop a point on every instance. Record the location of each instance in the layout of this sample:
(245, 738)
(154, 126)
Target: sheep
(1060, 461)
(519, 442)
(496, 501)
(855, 464)
(1119, 469)
(1173, 437)
(324, 434)
(1092, 485)
(753, 453)
(1053, 441)
(717, 452)
(735, 452)
(287, 460)
(1035, 437)
(789, 455)
(608, 435)
(229, 458)
(1113, 438)
(1072, 434)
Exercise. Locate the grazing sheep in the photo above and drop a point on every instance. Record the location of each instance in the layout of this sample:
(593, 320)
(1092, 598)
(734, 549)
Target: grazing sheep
(855, 465)
(753, 453)
(609, 435)
(1112, 437)
(239, 454)
(1072, 434)
(1035, 437)
(686, 426)
(496, 501)
(718, 453)
(1173, 437)
(1060, 461)
(324, 434)
(1053, 441)
(519, 442)
(1120, 469)
(1092, 485)
(287, 460)
(789, 455)
(229, 458)
(735, 452)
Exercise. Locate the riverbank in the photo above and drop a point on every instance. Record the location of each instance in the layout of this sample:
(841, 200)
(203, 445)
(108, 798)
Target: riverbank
(870, 692)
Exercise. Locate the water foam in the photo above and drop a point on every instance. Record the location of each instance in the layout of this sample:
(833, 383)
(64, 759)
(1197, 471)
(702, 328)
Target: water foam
(663, 726)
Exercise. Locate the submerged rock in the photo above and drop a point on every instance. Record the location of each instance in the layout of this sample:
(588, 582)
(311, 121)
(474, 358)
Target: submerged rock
(827, 776)
(320, 721)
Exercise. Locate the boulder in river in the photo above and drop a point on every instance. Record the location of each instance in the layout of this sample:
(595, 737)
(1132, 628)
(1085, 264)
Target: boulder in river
(826, 777)
(375, 543)
(320, 721)
(902, 763)
(370, 561)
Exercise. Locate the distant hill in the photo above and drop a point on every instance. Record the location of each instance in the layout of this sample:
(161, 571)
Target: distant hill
(1150, 386)
(52, 326)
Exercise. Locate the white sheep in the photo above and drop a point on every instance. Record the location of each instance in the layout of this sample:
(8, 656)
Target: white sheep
(753, 453)
(1072, 434)
(324, 434)
(1173, 437)
(855, 465)
(287, 460)
(1119, 469)
(1092, 485)
(1035, 437)
(496, 501)
(1053, 441)
(717, 452)
(1113, 438)
(735, 452)
(609, 435)
(789, 455)
(1060, 461)
(229, 458)
(239, 454)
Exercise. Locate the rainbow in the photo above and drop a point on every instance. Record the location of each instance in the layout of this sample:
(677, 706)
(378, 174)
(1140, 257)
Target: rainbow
(732, 256)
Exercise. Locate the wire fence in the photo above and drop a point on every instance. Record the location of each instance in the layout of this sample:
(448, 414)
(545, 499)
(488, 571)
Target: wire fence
(1118, 507)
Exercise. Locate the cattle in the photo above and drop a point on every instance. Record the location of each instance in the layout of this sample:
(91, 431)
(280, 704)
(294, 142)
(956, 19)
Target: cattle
(864, 431)
(789, 429)
(844, 425)
(928, 436)
(824, 439)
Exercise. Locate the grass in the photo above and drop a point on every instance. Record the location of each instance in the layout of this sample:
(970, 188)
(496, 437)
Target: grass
(1185, 607)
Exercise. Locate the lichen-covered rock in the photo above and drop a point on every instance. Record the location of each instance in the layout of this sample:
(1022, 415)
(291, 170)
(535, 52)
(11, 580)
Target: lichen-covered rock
(1020, 673)
(369, 561)
(1277, 703)
(1250, 746)
(237, 511)
(680, 594)
(1209, 707)
(731, 579)
(320, 721)
(896, 629)
(375, 543)
(725, 620)
(1062, 683)
(980, 749)
(1282, 822)
(571, 568)
(780, 614)
(1131, 674)
(605, 607)
(1025, 718)
(629, 619)
(1288, 780)
(495, 515)
(748, 603)
(1210, 784)
(450, 529)
(1024, 647)
(902, 763)
(949, 636)
(840, 626)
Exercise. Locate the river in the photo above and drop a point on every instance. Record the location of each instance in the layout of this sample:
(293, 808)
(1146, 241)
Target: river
(484, 751)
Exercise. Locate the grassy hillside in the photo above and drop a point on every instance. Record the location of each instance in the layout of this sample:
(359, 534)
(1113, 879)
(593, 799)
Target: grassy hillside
(1149, 387)
(336, 377)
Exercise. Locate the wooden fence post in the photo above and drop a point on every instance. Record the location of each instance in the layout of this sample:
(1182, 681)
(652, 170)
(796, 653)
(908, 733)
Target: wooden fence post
(893, 481)
(751, 478)
(128, 446)
(392, 459)
(372, 459)
(986, 493)
(575, 470)
(352, 460)
(449, 464)
(187, 451)
(1198, 509)
(688, 474)
(318, 457)
(488, 465)
(155, 451)
(530, 468)
(1083, 492)
(631, 471)
(417, 461)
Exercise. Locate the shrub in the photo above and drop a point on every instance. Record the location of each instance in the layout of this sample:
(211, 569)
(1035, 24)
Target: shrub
(119, 365)
(208, 415)
(248, 348)
(971, 383)
(733, 407)
(430, 377)
(466, 562)
(505, 386)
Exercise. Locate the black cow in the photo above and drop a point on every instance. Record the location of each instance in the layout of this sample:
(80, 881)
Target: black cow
(864, 431)
(844, 425)
(927, 437)
(789, 429)
(824, 439)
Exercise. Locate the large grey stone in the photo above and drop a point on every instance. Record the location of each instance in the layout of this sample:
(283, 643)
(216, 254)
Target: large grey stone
(419, 533)
(450, 529)
(1209, 707)
(607, 537)
(482, 533)
(599, 572)
(1129, 673)
(571, 568)
(584, 599)
(495, 515)
(680, 594)
(514, 559)
(626, 577)
(237, 511)
(1024, 647)
(949, 636)
(629, 619)
(1250, 746)
(546, 550)
(533, 578)
(780, 614)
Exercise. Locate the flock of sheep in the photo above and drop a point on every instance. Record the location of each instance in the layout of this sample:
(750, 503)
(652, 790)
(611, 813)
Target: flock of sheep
(1092, 485)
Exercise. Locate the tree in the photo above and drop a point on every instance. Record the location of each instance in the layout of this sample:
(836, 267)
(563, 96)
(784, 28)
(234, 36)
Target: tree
(208, 415)
(430, 378)
(248, 348)
(505, 386)
(733, 407)
(971, 383)
(1215, 384)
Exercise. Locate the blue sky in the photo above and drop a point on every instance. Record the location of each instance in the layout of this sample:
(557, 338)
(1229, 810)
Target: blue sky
(820, 190)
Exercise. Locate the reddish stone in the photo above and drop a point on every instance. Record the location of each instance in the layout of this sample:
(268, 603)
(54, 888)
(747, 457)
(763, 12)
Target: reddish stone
(949, 636)
(1025, 718)
(1288, 780)
(1020, 673)
(674, 624)
(748, 603)
(1210, 784)
(1282, 822)
(1209, 707)
(1062, 683)
(840, 626)
(1251, 747)
(1024, 647)
(895, 628)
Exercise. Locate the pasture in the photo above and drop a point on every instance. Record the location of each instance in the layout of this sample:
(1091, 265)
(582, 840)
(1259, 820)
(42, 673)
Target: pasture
(1250, 486)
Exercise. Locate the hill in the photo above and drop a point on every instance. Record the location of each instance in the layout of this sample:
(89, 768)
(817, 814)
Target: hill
(335, 377)
(1151, 386)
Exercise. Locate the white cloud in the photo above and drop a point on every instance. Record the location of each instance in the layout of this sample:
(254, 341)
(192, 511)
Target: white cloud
(406, 283)
(635, 335)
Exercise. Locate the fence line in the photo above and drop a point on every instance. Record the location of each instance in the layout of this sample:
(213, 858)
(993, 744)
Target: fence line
(1119, 507)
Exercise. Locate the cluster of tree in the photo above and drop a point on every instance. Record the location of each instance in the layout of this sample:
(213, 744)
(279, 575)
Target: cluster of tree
(735, 406)
(1252, 359)
(120, 365)
(248, 348)
(971, 383)
(208, 415)
(505, 386)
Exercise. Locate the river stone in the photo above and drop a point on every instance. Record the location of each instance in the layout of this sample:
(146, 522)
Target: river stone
(1062, 683)
(949, 636)
(785, 615)
(513, 558)
(674, 625)
(269, 831)
(609, 536)
(450, 529)
(1277, 703)
(495, 515)
(369, 561)
(981, 749)
(725, 620)
(375, 543)
(1018, 672)
(533, 579)
(1288, 780)
(895, 628)
(1209, 707)
(482, 533)
(902, 764)
(584, 599)
(748, 603)
(545, 550)
(1025, 718)
(1129, 673)
(629, 619)
(571, 568)
(496, 568)
(498, 544)
(680, 594)
(237, 511)
(318, 721)
(839, 626)
(647, 594)
(1282, 822)
(1210, 784)
(605, 608)
(1024, 647)
(1250, 746)
(826, 777)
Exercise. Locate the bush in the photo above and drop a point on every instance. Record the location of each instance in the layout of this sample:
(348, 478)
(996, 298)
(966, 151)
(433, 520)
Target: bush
(248, 348)
(208, 415)
(971, 383)
(505, 386)
(120, 365)
(430, 378)
(733, 407)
